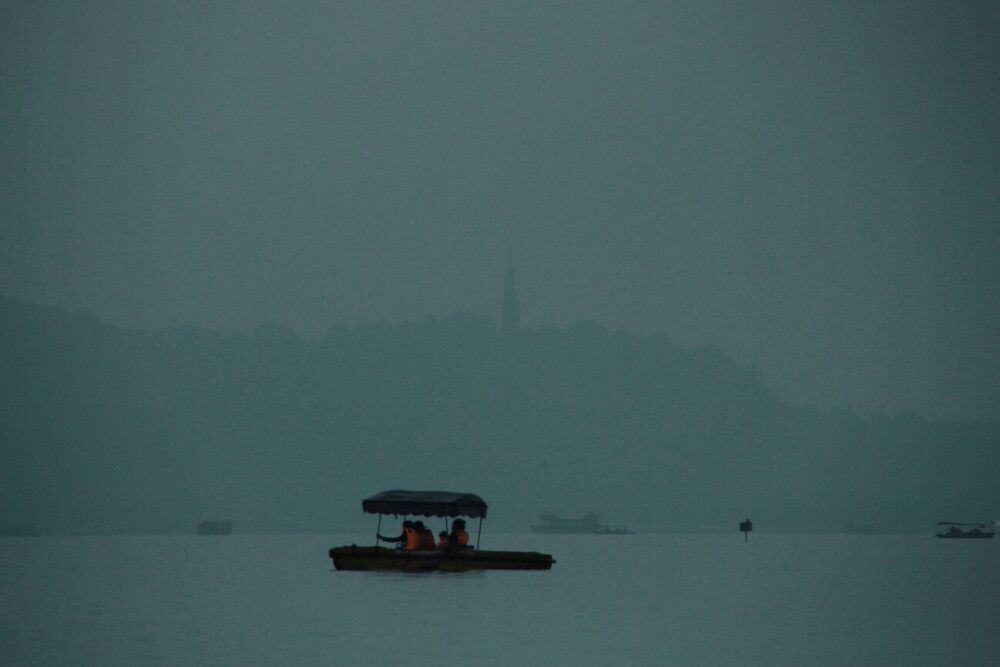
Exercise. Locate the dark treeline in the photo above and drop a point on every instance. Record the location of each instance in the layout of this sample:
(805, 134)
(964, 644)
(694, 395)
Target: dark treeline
(105, 428)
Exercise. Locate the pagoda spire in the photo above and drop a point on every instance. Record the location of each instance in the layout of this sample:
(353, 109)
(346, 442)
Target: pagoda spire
(510, 315)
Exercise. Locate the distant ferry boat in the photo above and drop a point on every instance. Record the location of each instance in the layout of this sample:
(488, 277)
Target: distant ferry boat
(215, 528)
(978, 531)
(582, 524)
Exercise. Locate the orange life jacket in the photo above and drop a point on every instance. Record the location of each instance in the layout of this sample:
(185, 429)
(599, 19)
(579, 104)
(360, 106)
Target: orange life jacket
(443, 543)
(463, 537)
(412, 539)
(427, 539)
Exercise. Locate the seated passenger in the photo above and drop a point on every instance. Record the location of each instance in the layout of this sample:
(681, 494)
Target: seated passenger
(443, 542)
(459, 539)
(425, 536)
(409, 539)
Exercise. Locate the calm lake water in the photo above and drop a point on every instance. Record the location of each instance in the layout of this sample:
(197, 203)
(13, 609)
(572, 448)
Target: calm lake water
(640, 600)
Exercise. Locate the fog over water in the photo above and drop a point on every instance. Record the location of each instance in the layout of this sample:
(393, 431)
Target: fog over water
(108, 429)
(678, 264)
(809, 187)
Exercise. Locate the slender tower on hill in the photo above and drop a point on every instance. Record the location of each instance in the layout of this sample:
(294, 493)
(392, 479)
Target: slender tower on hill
(510, 315)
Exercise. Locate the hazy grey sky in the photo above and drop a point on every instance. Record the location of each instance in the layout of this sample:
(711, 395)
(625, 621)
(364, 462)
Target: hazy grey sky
(811, 186)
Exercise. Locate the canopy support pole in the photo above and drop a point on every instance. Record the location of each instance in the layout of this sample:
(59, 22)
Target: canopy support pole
(480, 534)
(378, 531)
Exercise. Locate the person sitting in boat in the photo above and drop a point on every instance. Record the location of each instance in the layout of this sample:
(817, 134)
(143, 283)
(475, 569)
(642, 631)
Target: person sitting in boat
(409, 539)
(443, 541)
(426, 536)
(459, 539)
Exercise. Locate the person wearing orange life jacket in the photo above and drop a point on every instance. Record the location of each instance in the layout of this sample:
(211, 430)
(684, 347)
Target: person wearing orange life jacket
(460, 535)
(459, 539)
(409, 539)
(425, 535)
(443, 542)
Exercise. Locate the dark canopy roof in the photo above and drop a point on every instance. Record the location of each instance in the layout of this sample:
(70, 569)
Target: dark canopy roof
(425, 503)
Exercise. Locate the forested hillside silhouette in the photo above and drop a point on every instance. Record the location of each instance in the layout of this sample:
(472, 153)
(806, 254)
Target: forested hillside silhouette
(106, 428)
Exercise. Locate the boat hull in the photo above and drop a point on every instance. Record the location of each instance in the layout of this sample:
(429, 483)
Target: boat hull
(379, 558)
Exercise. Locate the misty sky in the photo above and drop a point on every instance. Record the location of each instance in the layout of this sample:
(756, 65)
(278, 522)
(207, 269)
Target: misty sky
(813, 187)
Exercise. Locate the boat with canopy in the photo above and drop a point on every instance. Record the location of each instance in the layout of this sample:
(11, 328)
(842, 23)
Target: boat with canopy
(442, 504)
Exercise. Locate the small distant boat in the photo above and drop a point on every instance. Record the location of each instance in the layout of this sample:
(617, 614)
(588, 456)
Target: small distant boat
(215, 528)
(428, 504)
(979, 531)
(581, 524)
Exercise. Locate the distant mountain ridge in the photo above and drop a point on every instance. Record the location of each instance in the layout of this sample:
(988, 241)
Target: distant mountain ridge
(105, 428)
